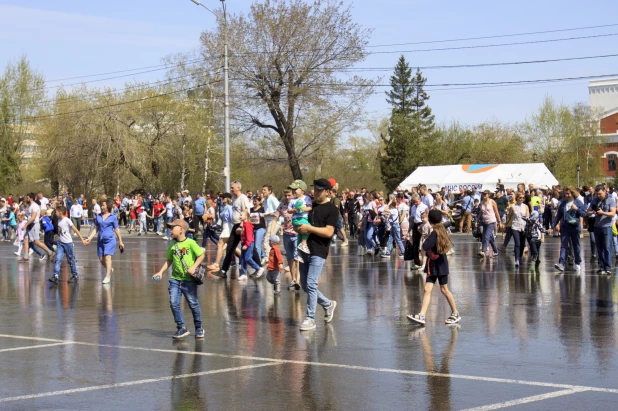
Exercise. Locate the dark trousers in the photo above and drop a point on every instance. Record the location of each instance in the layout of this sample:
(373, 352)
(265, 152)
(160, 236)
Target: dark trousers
(535, 247)
(520, 243)
(232, 243)
(123, 218)
(353, 224)
(48, 239)
(416, 243)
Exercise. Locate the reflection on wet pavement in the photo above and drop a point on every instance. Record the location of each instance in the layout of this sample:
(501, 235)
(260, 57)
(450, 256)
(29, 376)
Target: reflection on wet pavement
(529, 338)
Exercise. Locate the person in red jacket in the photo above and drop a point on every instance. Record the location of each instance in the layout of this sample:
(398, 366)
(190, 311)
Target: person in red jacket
(248, 242)
(275, 264)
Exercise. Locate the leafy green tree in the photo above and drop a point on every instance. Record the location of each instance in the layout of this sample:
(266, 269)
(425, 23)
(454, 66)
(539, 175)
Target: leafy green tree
(21, 93)
(403, 91)
(423, 118)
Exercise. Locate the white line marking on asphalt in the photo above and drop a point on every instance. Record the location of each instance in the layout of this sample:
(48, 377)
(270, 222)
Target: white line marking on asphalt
(525, 400)
(20, 337)
(130, 383)
(344, 366)
(35, 346)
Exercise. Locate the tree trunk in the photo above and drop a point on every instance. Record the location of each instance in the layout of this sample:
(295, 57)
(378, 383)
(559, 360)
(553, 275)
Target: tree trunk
(182, 172)
(206, 162)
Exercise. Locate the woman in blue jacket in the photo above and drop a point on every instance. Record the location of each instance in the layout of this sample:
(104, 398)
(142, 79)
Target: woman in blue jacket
(569, 222)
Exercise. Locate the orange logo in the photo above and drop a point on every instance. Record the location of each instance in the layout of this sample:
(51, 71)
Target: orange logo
(477, 168)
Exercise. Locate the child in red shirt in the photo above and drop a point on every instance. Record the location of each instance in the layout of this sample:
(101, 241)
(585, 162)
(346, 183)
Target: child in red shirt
(248, 242)
(275, 264)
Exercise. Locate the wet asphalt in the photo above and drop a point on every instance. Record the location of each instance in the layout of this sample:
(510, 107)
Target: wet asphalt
(530, 338)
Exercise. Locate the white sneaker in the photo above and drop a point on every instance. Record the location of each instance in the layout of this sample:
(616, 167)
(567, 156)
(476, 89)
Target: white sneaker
(308, 324)
(259, 273)
(559, 266)
(304, 248)
(106, 280)
(576, 267)
(165, 238)
(242, 277)
(344, 244)
(16, 253)
(30, 251)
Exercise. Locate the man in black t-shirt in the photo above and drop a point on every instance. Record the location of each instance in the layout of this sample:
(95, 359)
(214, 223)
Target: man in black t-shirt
(322, 222)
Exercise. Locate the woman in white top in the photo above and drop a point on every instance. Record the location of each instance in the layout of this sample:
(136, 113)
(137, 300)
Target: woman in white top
(518, 214)
(488, 218)
(404, 212)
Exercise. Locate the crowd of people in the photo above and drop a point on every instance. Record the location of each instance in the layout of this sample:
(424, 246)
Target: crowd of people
(248, 227)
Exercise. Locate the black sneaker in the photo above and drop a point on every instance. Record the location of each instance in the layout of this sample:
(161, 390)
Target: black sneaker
(220, 274)
(297, 286)
(181, 333)
(73, 279)
(292, 285)
(53, 279)
(199, 333)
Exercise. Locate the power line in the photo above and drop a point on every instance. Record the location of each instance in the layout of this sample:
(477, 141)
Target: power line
(495, 36)
(121, 103)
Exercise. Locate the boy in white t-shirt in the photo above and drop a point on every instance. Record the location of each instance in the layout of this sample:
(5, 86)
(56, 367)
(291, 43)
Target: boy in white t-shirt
(65, 245)
(143, 225)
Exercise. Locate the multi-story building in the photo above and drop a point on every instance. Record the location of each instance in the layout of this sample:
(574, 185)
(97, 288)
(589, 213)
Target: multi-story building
(604, 100)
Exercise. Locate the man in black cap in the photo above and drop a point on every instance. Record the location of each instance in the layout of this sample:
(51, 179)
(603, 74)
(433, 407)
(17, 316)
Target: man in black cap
(322, 222)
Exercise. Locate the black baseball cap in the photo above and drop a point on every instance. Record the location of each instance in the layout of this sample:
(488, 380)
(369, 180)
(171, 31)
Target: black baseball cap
(322, 184)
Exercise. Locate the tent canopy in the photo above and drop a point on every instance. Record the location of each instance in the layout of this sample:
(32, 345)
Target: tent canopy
(480, 176)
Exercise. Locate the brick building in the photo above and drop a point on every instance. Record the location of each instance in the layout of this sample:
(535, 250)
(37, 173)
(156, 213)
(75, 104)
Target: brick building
(604, 99)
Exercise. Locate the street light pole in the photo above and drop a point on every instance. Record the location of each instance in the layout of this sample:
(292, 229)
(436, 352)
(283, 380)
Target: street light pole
(226, 103)
(577, 168)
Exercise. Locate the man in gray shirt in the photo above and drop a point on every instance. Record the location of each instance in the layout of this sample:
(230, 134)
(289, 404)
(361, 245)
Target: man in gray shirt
(605, 208)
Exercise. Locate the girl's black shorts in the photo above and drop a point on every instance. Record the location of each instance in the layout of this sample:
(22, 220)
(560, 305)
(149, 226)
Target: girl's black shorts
(443, 279)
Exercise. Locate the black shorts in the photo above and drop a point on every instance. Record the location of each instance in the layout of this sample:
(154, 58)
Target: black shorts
(443, 279)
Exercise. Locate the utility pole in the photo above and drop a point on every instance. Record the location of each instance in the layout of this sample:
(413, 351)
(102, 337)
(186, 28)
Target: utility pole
(226, 103)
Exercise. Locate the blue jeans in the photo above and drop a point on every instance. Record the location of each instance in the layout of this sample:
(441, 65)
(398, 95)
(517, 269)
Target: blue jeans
(394, 236)
(34, 248)
(289, 244)
(259, 239)
(168, 220)
(189, 289)
(309, 274)
(63, 249)
(209, 232)
(603, 237)
(568, 234)
(157, 223)
(488, 237)
(593, 243)
(369, 229)
(246, 257)
(5, 230)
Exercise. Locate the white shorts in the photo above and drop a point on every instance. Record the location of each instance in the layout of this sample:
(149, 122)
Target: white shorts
(226, 230)
(34, 233)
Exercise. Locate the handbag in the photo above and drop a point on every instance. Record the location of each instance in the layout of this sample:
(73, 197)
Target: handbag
(200, 271)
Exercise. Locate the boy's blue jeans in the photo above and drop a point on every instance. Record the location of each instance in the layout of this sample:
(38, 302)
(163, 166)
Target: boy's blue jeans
(246, 257)
(63, 249)
(5, 230)
(395, 235)
(189, 289)
(309, 274)
(168, 220)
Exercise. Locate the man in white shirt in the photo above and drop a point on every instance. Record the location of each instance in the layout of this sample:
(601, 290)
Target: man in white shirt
(416, 211)
(427, 197)
(96, 208)
(33, 229)
(239, 204)
(270, 207)
(76, 216)
(44, 202)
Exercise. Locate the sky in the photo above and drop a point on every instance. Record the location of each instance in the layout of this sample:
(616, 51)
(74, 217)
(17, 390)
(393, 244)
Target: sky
(68, 38)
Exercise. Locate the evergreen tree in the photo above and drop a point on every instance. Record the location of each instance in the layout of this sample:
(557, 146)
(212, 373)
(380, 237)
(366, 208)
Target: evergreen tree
(401, 151)
(400, 98)
(423, 119)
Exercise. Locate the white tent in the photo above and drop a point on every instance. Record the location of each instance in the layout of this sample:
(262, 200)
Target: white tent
(480, 176)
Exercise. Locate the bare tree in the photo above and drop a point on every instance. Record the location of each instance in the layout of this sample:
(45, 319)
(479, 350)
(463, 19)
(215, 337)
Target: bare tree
(289, 61)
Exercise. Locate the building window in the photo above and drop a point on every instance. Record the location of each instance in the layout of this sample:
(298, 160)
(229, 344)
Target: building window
(611, 162)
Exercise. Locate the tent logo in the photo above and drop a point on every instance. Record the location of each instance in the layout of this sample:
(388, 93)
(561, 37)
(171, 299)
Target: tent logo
(477, 168)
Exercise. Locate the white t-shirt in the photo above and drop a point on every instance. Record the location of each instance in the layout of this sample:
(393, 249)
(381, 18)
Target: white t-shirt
(35, 210)
(76, 211)
(44, 202)
(142, 215)
(428, 200)
(403, 208)
(305, 201)
(394, 216)
(96, 209)
(240, 204)
(417, 211)
(64, 230)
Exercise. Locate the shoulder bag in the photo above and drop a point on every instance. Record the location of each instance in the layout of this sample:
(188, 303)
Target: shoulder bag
(200, 271)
